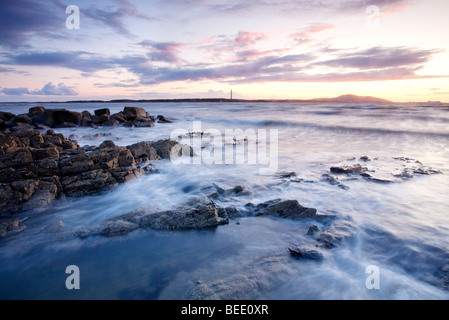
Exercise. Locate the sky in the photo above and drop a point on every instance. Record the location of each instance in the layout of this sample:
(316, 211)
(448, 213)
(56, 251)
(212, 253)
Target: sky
(270, 49)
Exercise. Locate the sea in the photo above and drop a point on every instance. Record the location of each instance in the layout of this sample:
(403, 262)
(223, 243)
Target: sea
(397, 247)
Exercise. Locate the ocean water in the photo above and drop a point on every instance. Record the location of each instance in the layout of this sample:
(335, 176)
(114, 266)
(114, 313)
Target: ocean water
(402, 228)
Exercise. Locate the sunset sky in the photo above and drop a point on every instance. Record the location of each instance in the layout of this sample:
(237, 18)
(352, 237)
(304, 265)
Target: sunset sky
(283, 49)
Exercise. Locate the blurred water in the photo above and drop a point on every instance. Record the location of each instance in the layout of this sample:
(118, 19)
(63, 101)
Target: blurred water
(403, 228)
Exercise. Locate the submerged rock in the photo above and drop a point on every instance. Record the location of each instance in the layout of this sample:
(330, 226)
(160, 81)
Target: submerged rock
(57, 227)
(10, 226)
(313, 230)
(348, 169)
(337, 233)
(305, 253)
(334, 181)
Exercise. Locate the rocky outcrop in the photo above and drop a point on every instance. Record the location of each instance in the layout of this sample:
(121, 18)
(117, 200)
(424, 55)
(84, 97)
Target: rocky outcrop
(305, 253)
(290, 209)
(40, 117)
(10, 226)
(38, 168)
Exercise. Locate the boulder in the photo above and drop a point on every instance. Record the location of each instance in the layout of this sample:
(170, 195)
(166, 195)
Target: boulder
(36, 110)
(337, 233)
(23, 118)
(164, 149)
(143, 152)
(56, 117)
(6, 116)
(119, 117)
(2, 124)
(98, 120)
(313, 230)
(131, 113)
(118, 228)
(101, 112)
(88, 183)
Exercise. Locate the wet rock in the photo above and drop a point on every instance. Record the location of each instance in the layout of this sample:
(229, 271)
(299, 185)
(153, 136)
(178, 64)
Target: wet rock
(23, 127)
(128, 124)
(287, 175)
(101, 112)
(131, 113)
(201, 217)
(164, 149)
(6, 116)
(98, 120)
(313, 230)
(147, 124)
(443, 277)
(336, 234)
(2, 124)
(120, 117)
(426, 171)
(57, 227)
(10, 226)
(348, 169)
(111, 123)
(56, 117)
(88, 183)
(365, 159)
(290, 209)
(334, 181)
(118, 228)
(143, 152)
(305, 253)
(162, 119)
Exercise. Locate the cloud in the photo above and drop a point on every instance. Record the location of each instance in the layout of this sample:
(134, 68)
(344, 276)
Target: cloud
(23, 19)
(306, 35)
(246, 38)
(381, 57)
(48, 90)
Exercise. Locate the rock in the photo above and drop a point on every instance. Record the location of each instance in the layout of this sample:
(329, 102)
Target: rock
(23, 127)
(336, 234)
(56, 117)
(164, 149)
(107, 144)
(88, 183)
(119, 117)
(162, 119)
(313, 230)
(143, 124)
(10, 226)
(98, 120)
(74, 137)
(334, 181)
(290, 209)
(2, 124)
(23, 118)
(230, 213)
(131, 113)
(365, 159)
(6, 116)
(287, 175)
(128, 124)
(143, 152)
(201, 217)
(67, 125)
(86, 115)
(111, 123)
(118, 228)
(305, 253)
(348, 169)
(57, 227)
(36, 110)
(102, 112)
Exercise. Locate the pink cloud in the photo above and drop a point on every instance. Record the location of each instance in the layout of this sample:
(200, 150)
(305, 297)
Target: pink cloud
(245, 37)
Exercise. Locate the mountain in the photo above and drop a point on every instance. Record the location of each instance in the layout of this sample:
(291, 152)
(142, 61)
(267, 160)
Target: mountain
(350, 98)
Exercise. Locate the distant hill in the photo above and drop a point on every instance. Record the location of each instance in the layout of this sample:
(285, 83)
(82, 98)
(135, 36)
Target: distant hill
(350, 98)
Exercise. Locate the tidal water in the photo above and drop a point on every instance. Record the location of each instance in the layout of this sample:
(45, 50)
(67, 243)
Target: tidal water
(400, 227)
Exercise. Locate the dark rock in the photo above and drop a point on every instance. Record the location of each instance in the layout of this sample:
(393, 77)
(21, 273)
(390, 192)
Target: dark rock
(111, 123)
(165, 148)
(305, 253)
(290, 209)
(238, 189)
(102, 112)
(143, 152)
(86, 115)
(56, 117)
(201, 217)
(88, 183)
(23, 127)
(6, 116)
(98, 120)
(365, 158)
(128, 124)
(67, 125)
(2, 124)
(10, 226)
(131, 113)
(162, 119)
(36, 110)
(313, 230)
(230, 213)
(107, 144)
(348, 169)
(287, 175)
(119, 117)
(74, 137)
(23, 118)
